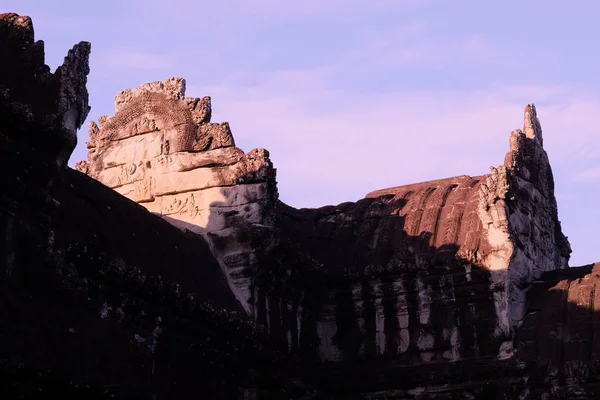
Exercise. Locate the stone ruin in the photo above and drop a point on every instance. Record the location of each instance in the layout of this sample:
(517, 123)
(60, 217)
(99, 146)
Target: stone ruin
(504, 224)
(161, 150)
(454, 288)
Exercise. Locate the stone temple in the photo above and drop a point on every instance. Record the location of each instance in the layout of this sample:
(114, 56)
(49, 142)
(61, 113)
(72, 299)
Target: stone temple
(165, 266)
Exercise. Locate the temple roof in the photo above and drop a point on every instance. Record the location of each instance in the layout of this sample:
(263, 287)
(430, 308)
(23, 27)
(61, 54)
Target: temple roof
(392, 225)
(444, 209)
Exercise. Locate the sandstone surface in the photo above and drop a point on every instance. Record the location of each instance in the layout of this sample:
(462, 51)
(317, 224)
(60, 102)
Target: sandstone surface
(172, 268)
(100, 298)
(413, 248)
(161, 150)
(425, 273)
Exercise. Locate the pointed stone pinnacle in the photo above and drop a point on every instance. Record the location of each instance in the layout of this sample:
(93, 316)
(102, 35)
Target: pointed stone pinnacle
(531, 126)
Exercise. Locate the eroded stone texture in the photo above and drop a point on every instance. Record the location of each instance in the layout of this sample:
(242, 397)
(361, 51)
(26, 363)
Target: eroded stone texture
(428, 272)
(395, 258)
(519, 215)
(100, 298)
(532, 213)
(56, 100)
(455, 288)
(559, 340)
(99, 294)
(161, 150)
(469, 246)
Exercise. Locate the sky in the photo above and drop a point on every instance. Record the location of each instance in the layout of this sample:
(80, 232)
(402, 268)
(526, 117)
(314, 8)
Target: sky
(350, 96)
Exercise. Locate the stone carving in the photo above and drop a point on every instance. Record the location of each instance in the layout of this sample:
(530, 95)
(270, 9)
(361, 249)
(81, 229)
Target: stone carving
(161, 150)
(476, 229)
(100, 298)
(454, 288)
(175, 117)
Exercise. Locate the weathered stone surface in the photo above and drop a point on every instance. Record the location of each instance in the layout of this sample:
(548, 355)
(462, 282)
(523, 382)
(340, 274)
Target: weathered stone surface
(455, 288)
(58, 100)
(558, 340)
(161, 150)
(415, 248)
(100, 298)
(423, 273)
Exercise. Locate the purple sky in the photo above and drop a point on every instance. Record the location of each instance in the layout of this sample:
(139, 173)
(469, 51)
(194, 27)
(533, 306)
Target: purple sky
(351, 96)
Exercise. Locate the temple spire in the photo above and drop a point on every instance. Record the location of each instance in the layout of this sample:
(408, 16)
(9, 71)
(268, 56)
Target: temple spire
(531, 127)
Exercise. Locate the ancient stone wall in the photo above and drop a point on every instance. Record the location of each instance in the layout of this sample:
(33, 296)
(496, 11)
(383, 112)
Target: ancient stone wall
(455, 288)
(469, 245)
(558, 343)
(100, 298)
(161, 150)
(401, 287)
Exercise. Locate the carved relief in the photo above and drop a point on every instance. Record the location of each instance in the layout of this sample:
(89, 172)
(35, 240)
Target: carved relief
(161, 150)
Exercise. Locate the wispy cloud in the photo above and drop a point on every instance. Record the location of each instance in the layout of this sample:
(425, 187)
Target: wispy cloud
(406, 46)
(539, 93)
(132, 60)
(588, 175)
(563, 197)
(352, 141)
(571, 127)
(255, 10)
(417, 46)
(368, 141)
(349, 95)
(323, 134)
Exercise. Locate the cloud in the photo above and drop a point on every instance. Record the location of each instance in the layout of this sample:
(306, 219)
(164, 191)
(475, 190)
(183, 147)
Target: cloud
(333, 138)
(334, 141)
(396, 54)
(541, 93)
(276, 10)
(563, 197)
(331, 146)
(61, 24)
(417, 45)
(588, 175)
(571, 127)
(132, 60)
